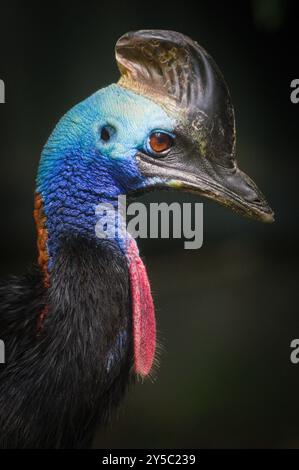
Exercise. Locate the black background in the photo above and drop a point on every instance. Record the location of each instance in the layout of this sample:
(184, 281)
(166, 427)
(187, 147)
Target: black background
(228, 312)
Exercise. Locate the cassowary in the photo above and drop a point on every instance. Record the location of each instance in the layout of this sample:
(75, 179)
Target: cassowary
(80, 326)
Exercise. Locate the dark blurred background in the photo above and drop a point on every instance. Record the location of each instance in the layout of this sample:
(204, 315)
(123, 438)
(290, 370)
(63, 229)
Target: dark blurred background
(227, 312)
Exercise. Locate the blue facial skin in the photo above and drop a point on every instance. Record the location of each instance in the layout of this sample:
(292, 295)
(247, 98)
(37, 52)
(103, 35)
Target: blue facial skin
(78, 169)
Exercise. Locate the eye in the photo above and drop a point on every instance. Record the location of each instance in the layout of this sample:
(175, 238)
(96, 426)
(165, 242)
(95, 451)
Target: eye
(106, 133)
(160, 142)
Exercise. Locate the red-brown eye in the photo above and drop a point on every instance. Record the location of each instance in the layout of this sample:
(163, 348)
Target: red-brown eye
(160, 142)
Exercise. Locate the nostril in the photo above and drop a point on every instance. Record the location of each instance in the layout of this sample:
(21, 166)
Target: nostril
(252, 197)
(250, 194)
(245, 188)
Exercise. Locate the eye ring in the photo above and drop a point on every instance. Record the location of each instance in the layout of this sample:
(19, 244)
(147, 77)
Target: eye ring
(159, 142)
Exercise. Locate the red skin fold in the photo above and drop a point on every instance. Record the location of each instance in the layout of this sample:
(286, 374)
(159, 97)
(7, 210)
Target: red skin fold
(144, 322)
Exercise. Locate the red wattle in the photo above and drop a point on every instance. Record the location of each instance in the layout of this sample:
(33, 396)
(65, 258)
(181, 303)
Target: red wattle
(144, 322)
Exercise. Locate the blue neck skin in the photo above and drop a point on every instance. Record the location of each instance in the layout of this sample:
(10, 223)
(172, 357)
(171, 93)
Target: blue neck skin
(71, 200)
(78, 170)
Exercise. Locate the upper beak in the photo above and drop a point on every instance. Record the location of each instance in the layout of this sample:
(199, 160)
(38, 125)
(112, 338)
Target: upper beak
(237, 191)
(228, 186)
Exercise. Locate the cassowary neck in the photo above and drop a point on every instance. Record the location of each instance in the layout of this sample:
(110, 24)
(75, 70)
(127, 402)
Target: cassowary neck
(67, 210)
(73, 179)
(89, 298)
(67, 207)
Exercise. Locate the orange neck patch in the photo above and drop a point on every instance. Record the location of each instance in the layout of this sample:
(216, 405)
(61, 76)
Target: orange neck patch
(42, 237)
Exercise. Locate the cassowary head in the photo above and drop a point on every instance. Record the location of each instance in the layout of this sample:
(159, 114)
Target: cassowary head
(168, 123)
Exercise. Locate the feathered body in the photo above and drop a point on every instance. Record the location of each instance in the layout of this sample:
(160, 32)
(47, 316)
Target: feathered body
(63, 380)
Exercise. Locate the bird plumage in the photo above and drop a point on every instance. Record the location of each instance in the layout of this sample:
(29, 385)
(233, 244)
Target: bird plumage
(58, 384)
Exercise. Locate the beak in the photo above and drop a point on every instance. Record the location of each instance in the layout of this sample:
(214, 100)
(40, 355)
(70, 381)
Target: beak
(178, 74)
(230, 187)
(246, 199)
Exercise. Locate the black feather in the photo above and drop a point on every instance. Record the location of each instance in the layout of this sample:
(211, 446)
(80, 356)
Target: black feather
(60, 383)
